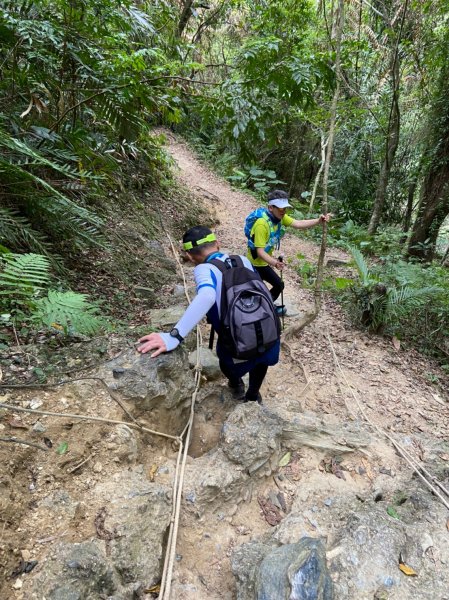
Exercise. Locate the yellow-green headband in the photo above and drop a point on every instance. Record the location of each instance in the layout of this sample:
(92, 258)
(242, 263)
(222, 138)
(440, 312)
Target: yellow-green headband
(209, 238)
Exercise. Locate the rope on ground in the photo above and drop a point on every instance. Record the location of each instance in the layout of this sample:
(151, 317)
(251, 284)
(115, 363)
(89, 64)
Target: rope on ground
(167, 572)
(422, 473)
(136, 425)
(33, 386)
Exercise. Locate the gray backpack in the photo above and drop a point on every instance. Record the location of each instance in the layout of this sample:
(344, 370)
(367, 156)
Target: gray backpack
(249, 324)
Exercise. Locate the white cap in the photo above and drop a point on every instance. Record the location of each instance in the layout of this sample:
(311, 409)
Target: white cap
(280, 203)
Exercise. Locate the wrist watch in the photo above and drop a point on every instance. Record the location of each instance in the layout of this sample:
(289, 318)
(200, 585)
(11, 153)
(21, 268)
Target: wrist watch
(175, 333)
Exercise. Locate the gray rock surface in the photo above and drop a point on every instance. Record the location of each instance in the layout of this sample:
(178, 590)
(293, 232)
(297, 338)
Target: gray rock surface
(370, 544)
(162, 385)
(297, 571)
(128, 556)
(209, 361)
(251, 436)
(75, 572)
(309, 430)
(245, 562)
(249, 447)
(138, 515)
(211, 481)
(165, 318)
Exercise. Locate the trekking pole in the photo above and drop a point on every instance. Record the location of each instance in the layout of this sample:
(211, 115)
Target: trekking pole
(281, 259)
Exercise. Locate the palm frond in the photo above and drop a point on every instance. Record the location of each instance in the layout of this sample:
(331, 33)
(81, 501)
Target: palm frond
(22, 149)
(119, 116)
(361, 264)
(88, 223)
(17, 232)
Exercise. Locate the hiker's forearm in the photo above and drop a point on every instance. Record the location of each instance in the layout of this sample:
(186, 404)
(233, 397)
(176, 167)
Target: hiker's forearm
(266, 257)
(196, 310)
(306, 224)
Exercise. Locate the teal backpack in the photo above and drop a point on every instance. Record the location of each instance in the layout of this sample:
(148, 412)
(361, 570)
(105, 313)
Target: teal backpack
(275, 232)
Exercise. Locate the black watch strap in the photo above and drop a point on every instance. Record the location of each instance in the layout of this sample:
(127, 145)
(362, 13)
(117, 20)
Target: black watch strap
(175, 333)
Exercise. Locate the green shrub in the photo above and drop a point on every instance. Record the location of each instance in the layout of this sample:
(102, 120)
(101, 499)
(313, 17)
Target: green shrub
(401, 299)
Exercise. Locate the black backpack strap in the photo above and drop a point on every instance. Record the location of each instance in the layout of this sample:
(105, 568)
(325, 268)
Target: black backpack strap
(236, 260)
(219, 264)
(211, 338)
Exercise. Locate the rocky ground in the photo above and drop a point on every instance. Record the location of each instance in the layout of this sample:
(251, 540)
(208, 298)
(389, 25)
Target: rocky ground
(84, 514)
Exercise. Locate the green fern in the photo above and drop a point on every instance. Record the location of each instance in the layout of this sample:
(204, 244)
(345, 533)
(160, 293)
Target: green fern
(70, 312)
(23, 274)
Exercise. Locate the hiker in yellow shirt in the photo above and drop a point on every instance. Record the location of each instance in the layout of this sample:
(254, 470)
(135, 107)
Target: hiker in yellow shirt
(264, 236)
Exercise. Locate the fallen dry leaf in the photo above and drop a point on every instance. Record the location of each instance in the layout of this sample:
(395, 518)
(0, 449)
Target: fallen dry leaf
(407, 570)
(396, 343)
(155, 589)
(368, 469)
(152, 472)
(270, 511)
(17, 424)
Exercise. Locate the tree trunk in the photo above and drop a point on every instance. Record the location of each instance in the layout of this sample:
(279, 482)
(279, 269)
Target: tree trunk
(392, 137)
(434, 203)
(391, 142)
(185, 16)
(433, 208)
(409, 209)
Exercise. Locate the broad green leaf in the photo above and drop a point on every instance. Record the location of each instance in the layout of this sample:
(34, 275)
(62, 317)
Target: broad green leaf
(285, 459)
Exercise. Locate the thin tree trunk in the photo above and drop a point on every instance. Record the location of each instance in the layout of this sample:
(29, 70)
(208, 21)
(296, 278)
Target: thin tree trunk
(434, 203)
(186, 13)
(392, 138)
(391, 145)
(409, 209)
(432, 211)
(309, 317)
(320, 170)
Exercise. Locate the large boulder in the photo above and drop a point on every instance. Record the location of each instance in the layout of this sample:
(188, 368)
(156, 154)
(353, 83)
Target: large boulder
(127, 556)
(249, 446)
(75, 572)
(251, 436)
(137, 515)
(161, 385)
(289, 572)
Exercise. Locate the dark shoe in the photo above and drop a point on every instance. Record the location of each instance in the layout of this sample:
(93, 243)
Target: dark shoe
(257, 398)
(237, 388)
(280, 309)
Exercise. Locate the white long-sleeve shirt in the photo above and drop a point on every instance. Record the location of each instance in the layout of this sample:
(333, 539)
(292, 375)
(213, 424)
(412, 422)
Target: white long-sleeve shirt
(208, 285)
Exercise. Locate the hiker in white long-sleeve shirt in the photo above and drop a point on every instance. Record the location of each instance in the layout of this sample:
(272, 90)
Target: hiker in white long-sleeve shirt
(202, 247)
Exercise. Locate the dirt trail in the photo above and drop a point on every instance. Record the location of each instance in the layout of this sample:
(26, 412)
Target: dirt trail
(396, 387)
(396, 390)
(49, 496)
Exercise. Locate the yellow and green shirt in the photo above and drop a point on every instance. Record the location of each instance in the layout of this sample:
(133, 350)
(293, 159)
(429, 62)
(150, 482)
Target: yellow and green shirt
(260, 234)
